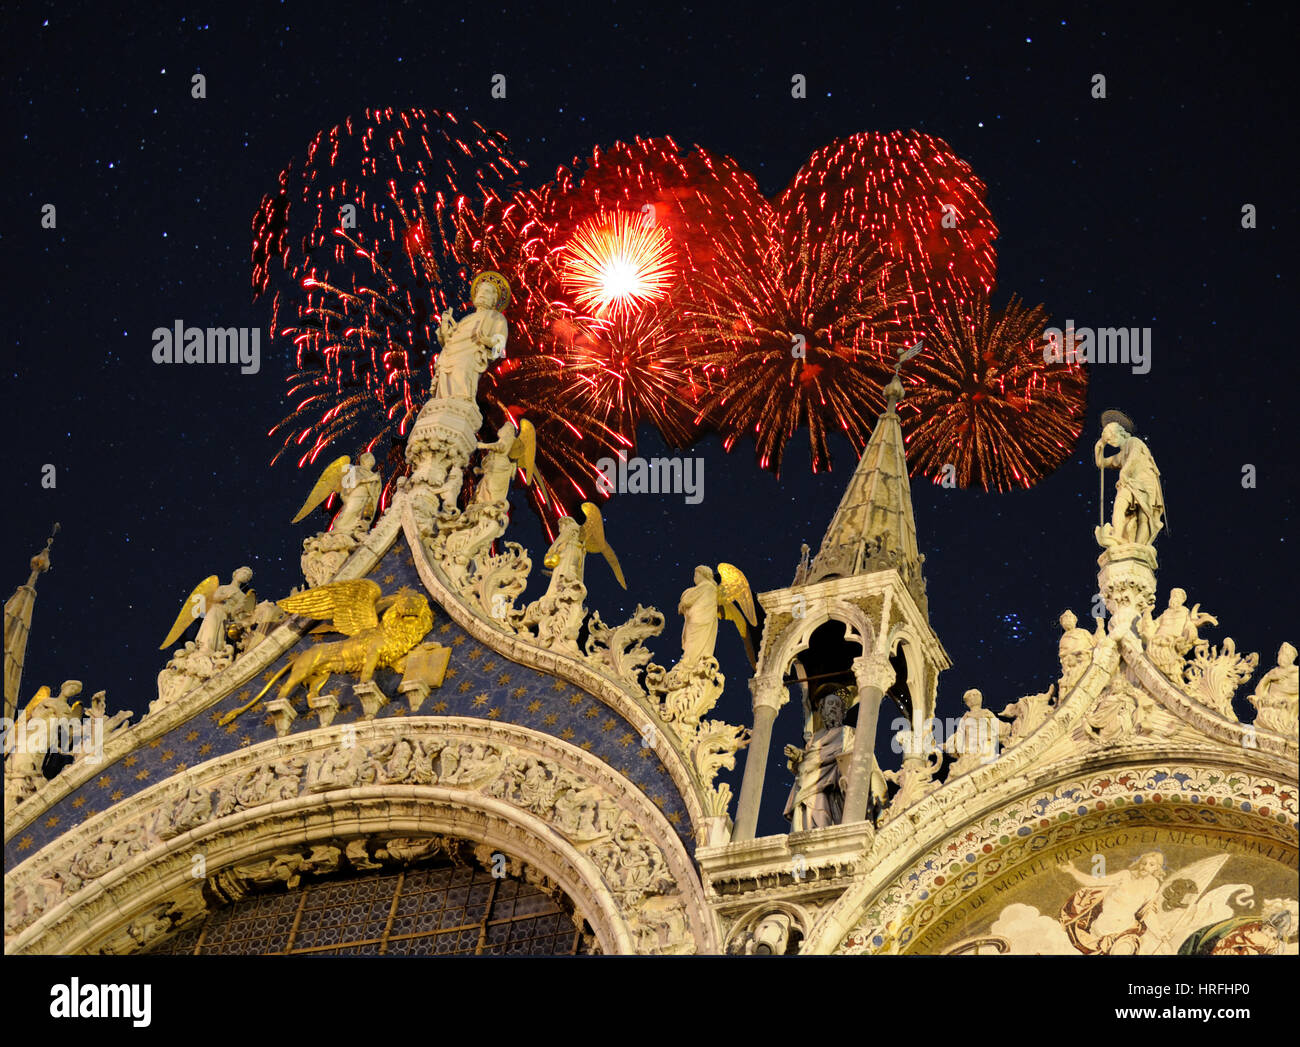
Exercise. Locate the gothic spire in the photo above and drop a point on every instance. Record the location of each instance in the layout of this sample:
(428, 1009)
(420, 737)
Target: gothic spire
(874, 528)
(18, 623)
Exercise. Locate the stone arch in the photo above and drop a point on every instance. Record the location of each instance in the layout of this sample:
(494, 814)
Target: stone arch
(333, 818)
(798, 915)
(902, 906)
(795, 636)
(609, 849)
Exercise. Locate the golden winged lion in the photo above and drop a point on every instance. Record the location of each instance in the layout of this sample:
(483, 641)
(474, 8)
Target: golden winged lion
(380, 631)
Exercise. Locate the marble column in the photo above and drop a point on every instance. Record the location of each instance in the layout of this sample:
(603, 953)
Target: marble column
(874, 676)
(769, 695)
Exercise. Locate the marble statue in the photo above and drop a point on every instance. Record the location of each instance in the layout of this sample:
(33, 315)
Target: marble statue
(1028, 714)
(817, 797)
(361, 486)
(358, 485)
(215, 604)
(1138, 513)
(703, 604)
(34, 735)
(975, 742)
(558, 613)
(1277, 696)
(512, 449)
(1075, 650)
(915, 779)
(1173, 634)
(469, 344)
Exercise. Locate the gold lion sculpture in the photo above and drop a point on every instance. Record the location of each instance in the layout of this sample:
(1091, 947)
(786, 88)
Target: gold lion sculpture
(380, 631)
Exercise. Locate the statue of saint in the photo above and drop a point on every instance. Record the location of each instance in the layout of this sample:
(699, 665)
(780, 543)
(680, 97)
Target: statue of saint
(1173, 634)
(975, 742)
(1075, 649)
(1277, 698)
(1138, 514)
(469, 344)
(817, 796)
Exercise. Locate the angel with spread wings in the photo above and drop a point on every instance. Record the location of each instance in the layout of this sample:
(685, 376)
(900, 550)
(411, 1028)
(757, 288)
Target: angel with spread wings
(357, 485)
(512, 450)
(215, 604)
(567, 553)
(380, 631)
(704, 604)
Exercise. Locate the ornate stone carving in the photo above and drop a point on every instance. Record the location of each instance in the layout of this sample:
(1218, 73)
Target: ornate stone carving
(35, 734)
(1075, 650)
(874, 670)
(442, 440)
(465, 538)
(1275, 699)
(1171, 636)
(1123, 711)
(1213, 676)
(661, 926)
(713, 748)
(608, 829)
(915, 781)
(323, 555)
(288, 869)
(146, 930)
(189, 667)
(1128, 584)
(1027, 714)
(619, 652)
(686, 697)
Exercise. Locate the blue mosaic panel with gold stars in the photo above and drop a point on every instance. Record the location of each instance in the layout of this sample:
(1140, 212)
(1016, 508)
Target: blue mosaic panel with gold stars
(480, 683)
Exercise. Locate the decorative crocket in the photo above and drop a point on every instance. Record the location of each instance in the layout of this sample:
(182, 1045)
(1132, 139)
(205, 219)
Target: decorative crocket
(380, 631)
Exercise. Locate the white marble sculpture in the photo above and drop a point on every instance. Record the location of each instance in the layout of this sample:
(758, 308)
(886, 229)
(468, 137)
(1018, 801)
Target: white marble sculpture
(1277, 695)
(471, 343)
(976, 740)
(1138, 514)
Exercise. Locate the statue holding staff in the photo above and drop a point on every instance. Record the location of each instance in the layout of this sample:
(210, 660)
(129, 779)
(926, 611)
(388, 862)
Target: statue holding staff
(1138, 514)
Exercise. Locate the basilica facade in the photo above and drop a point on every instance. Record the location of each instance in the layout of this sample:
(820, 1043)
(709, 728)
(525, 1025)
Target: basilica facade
(405, 758)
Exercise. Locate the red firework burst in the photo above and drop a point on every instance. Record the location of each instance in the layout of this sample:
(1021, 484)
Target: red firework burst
(910, 194)
(982, 399)
(797, 324)
(621, 358)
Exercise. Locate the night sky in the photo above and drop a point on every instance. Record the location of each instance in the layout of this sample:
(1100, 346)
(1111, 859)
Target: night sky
(1117, 212)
